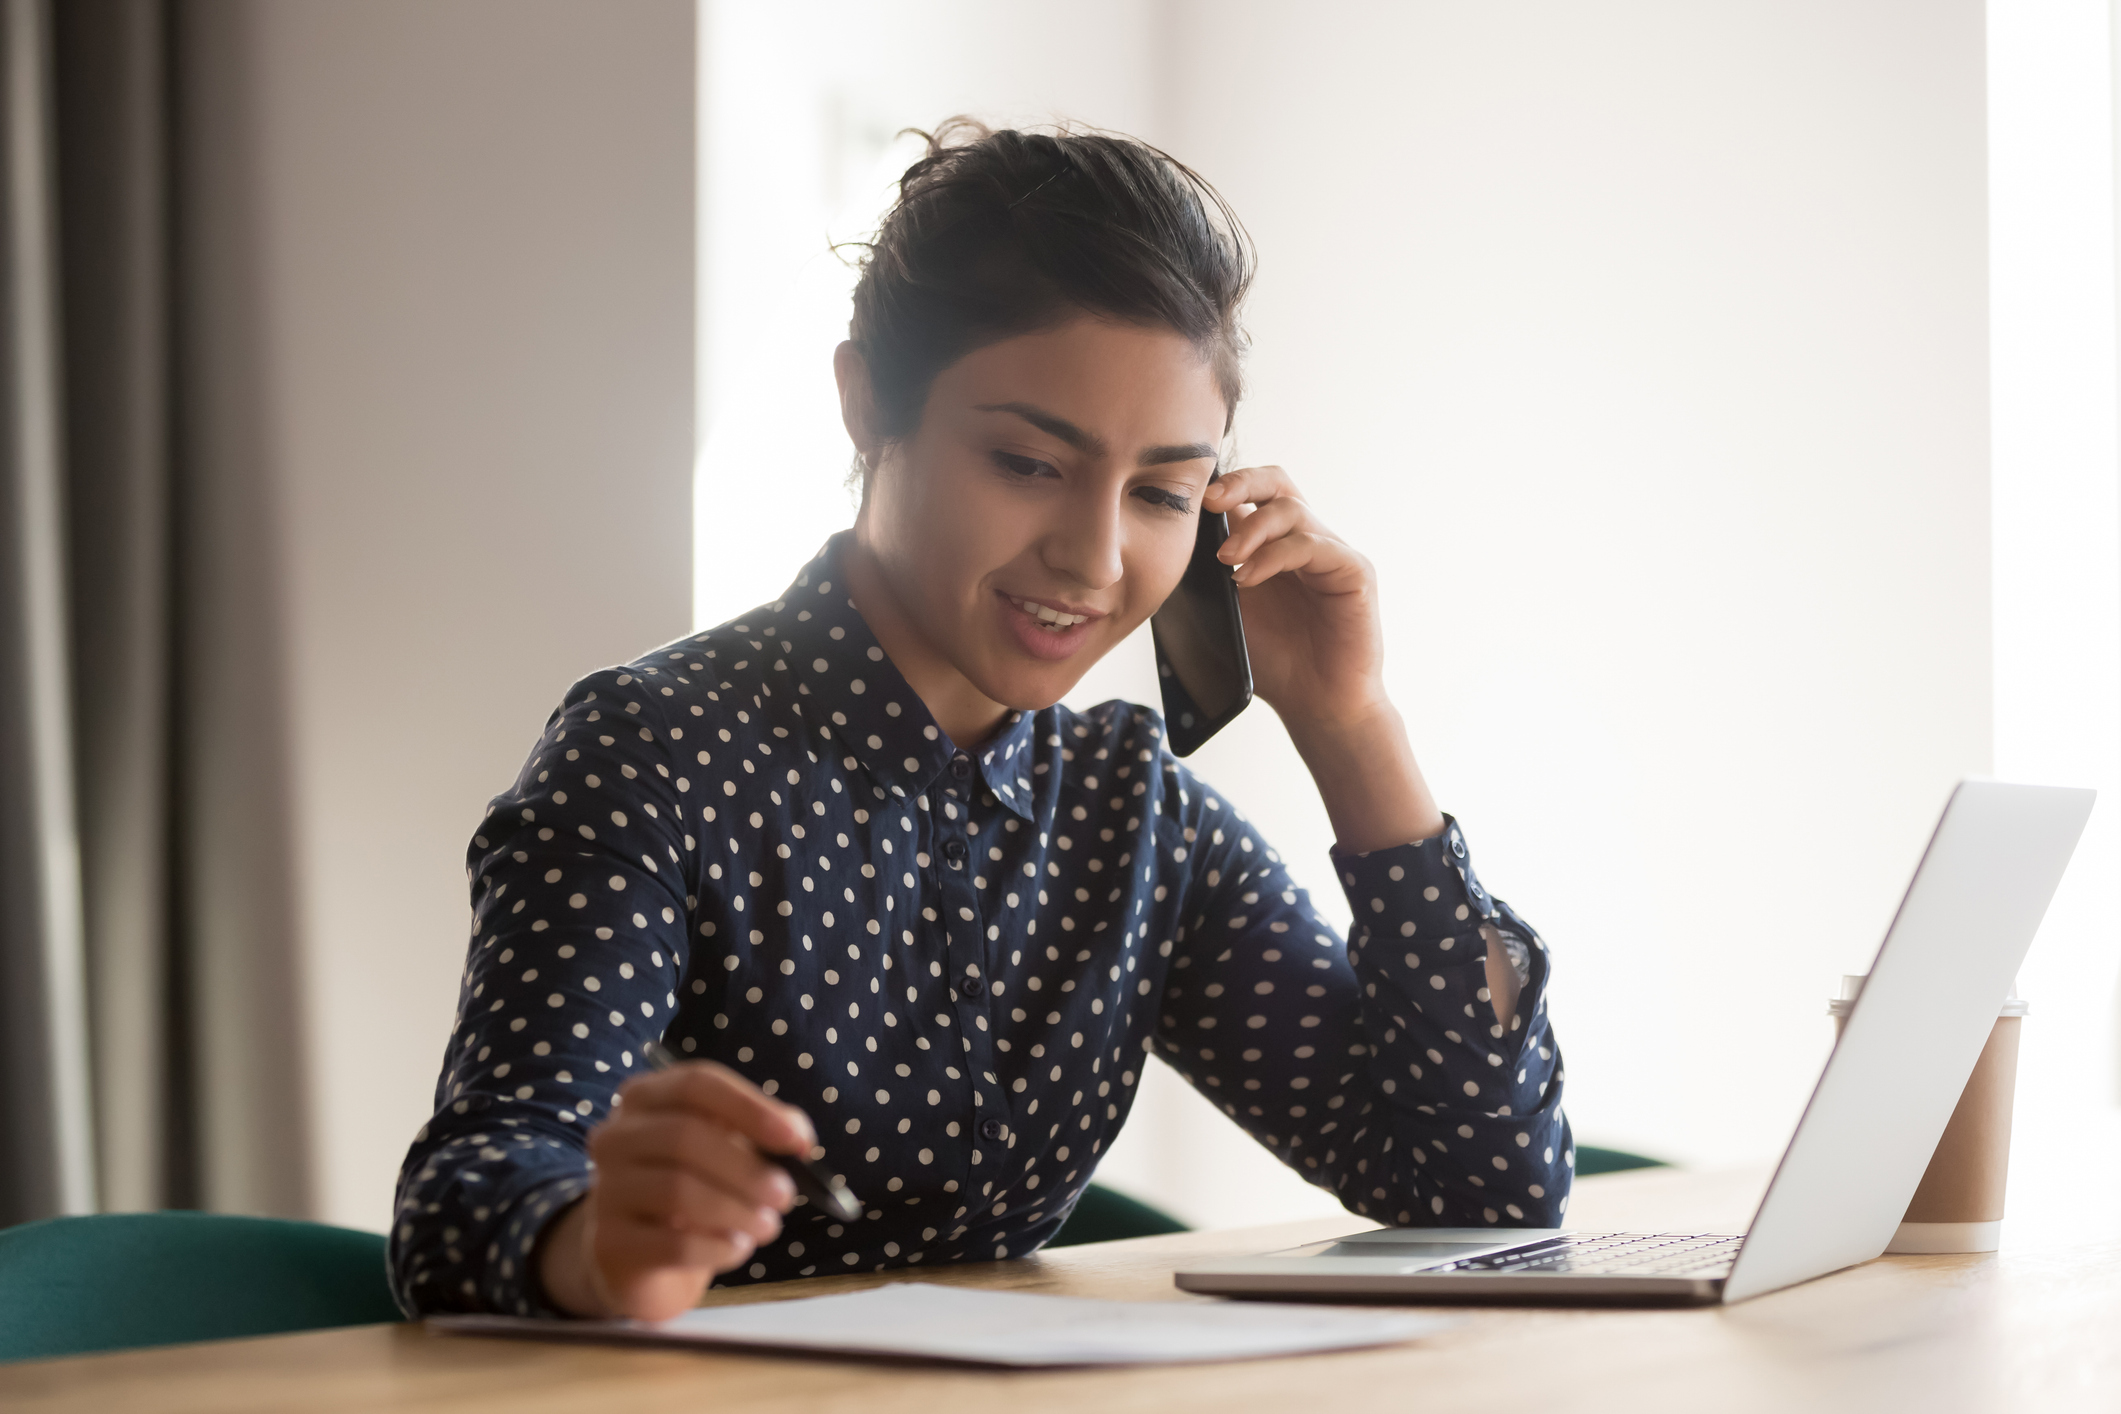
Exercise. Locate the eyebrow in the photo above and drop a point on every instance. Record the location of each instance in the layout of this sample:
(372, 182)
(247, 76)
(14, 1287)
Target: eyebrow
(1179, 452)
(1090, 444)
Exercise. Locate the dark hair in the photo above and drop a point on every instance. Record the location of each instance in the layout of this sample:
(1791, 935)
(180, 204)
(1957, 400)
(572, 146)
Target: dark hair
(996, 234)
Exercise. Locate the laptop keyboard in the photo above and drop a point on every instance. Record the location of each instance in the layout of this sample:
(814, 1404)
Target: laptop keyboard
(1631, 1254)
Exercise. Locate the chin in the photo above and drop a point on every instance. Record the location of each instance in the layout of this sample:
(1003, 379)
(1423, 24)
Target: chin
(1030, 697)
(1031, 691)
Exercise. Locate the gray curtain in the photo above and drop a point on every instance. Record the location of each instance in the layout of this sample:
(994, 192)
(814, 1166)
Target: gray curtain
(146, 906)
(110, 66)
(47, 1164)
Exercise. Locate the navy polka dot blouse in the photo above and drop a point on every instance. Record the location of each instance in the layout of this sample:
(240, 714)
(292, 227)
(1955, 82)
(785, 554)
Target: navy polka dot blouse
(757, 846)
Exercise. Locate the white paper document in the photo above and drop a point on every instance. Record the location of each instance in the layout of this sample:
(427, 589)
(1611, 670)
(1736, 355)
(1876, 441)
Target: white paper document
(923, 1321)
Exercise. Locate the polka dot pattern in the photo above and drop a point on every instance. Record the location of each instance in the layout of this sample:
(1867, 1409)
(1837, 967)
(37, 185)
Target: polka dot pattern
(757, 845)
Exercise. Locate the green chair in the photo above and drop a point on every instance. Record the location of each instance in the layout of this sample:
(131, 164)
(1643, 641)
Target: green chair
(1102, 1215)
(1591, 1160)
(73, 1285)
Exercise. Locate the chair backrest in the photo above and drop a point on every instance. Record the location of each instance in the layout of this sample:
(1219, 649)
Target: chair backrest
(73, 1285)
(1106, 1215)
(1590, 1160)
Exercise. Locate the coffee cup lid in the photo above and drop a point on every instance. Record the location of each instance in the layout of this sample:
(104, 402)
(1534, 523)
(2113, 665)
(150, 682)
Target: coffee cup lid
(1852, 988)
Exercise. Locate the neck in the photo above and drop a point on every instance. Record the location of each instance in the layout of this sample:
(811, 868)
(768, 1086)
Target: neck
(965, 714)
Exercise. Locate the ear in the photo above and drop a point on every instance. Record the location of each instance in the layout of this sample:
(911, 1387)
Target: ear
(857, 405)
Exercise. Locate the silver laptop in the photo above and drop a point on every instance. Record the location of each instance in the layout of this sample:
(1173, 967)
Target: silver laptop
(1861, 1145)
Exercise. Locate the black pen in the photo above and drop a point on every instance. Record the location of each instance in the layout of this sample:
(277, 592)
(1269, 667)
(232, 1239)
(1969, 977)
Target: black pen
(812, 1179)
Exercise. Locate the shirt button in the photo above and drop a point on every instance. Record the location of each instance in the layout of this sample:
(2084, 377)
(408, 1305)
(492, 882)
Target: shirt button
(969, 986)
(961, 767)
(990, 1129)
(1458, 846)
(954, 851)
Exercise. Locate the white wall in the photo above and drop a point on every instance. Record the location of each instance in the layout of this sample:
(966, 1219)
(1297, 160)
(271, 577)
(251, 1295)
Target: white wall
(2057, 518)
(1643, 346)
(470, 235)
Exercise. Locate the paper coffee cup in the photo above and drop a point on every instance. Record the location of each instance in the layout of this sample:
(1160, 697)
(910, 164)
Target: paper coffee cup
(1958, 1207)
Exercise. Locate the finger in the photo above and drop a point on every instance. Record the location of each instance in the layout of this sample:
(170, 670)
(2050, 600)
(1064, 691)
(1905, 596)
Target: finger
(1254, 485)
(627, 1248)
(1269, 522)
(1323, 561)
(675, 1198)
(718, 1092)
(684, 1199)
(682, 1140)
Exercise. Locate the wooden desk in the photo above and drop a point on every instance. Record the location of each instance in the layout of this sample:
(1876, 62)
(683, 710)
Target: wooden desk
(2037, 1328)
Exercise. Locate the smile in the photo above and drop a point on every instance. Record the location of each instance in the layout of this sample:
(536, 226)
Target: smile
(1052, 620)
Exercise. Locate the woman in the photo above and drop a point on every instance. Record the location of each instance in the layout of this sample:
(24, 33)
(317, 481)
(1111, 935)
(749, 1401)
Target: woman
(848, 855)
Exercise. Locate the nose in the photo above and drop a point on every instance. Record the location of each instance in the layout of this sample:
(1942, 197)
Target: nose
(1086, 544)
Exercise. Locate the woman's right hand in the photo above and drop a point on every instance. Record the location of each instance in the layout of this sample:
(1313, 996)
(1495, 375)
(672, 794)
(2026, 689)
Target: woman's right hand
(681, 1193)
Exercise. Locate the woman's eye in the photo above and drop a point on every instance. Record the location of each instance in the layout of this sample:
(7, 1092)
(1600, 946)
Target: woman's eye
(1167, 500)
(1021, 466)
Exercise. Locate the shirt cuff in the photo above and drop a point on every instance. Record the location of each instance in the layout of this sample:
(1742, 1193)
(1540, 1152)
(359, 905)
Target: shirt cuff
(1407, 880)
(509, 1283)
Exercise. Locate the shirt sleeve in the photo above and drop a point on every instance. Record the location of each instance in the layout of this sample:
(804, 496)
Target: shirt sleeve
(1376, 1068)
(577, 950)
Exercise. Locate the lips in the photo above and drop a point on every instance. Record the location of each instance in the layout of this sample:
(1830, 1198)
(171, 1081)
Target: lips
(1044, 632)
(1049, 617)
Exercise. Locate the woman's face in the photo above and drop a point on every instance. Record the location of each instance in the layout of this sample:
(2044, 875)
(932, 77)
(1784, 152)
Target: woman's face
(1046, 504)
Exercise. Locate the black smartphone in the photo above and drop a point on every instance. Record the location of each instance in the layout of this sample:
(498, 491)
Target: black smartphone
(1200, 644)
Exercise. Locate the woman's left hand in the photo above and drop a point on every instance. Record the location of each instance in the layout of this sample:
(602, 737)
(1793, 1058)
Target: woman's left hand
(1309, 600)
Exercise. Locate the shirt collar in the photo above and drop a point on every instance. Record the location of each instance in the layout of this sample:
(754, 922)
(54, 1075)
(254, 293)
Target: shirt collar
(852, 693)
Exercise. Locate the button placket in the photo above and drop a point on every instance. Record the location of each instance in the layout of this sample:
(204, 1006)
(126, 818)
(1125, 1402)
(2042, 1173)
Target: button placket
(971, 983)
